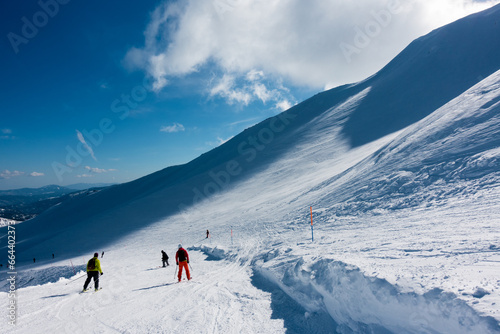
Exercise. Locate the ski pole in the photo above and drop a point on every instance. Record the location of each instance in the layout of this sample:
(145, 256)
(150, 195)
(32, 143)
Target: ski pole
(76, 279)
(189, 264)
(175, 271)
(97, 279)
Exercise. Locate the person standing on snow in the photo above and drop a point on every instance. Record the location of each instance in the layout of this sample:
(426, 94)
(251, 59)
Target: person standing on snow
(182, 260)
(93, 271)
(208, 234)
(164, 258)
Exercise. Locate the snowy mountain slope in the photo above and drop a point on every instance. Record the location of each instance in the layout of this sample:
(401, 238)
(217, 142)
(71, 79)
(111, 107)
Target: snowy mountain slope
(419, 229)
(430, 72)
(455, 146)
(406, 225)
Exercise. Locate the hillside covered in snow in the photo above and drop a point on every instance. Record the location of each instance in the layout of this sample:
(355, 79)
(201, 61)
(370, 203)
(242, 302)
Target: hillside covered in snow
(402, 172)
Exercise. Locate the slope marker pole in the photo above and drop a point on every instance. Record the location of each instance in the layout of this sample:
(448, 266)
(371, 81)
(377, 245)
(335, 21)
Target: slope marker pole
(74, 271)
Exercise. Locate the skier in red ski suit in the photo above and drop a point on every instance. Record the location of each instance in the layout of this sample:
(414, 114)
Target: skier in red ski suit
(182, 260)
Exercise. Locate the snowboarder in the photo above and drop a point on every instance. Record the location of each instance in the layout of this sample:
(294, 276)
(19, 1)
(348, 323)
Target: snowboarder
(208, 234)
(164, 258)
(182, 260)
(93, 271)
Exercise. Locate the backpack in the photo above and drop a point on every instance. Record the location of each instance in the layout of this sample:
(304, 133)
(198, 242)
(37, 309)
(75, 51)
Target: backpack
(91, 264)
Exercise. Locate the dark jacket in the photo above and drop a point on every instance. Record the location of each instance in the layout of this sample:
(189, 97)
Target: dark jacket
(164, 255)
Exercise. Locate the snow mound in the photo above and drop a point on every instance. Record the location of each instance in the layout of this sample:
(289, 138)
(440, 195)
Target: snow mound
(365, 304)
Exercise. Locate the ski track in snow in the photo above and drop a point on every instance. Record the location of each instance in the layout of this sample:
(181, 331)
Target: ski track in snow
(220, 298)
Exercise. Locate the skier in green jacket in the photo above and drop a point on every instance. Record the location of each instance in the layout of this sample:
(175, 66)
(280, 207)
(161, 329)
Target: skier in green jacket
(93, 271)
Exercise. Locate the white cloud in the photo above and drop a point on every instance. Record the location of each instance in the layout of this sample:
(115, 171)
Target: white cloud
(283, 105)
(85, 175)
(7, 174)
(250, 87)
(254, 75)
(299, 41)
(85, 145)
(176, 127)
(6, 131)
(36, 174)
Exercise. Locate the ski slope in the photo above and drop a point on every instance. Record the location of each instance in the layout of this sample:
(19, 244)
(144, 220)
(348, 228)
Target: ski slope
(406, 216)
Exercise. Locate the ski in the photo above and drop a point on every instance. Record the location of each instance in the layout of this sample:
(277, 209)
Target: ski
(185, 280)
(89, 290)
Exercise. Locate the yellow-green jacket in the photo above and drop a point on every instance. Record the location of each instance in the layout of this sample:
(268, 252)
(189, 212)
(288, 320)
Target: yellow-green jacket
(97, 265)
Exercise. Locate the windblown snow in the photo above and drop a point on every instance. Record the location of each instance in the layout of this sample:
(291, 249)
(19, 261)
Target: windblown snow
(403, 178)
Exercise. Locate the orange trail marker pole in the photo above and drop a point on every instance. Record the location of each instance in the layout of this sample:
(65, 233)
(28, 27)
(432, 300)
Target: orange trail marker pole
(312, 229)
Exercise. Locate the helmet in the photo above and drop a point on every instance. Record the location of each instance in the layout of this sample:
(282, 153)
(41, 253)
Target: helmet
(96, 254)
(180, 246)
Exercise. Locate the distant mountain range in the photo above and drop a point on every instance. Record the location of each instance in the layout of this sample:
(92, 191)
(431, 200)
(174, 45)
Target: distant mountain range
(26, 203)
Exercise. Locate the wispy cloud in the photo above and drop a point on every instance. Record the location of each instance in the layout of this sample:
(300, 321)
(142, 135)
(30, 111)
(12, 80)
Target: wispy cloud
(243, 121)
(219, 141)
(7, 174)
(99, 170)
(176, 127)
(225, 88)
(85, 145)
(84, 175)
(6, 134)
(36, 174)
(104, 85)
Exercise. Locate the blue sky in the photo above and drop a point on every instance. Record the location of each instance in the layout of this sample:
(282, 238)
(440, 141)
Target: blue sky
(111, 91)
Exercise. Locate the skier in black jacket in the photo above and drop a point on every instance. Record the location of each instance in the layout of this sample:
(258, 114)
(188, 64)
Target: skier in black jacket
(164, 258)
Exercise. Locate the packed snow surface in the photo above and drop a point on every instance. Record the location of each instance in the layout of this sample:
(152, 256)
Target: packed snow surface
(406, 217)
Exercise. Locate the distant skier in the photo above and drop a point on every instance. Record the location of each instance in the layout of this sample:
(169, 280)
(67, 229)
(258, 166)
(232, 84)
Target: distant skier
(52, 255)
(182, 260)
(93, 271)
(164, 258)
(208, 234)
(34, 260)
(102, 255)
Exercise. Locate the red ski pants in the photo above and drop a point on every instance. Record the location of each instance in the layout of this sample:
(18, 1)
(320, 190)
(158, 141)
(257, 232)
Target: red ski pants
(183, 264)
